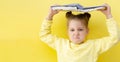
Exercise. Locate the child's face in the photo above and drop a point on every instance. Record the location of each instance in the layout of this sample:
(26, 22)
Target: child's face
(77, 31)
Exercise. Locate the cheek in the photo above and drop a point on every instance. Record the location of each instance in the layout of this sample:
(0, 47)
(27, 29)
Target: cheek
(70, 33)
(83, 33)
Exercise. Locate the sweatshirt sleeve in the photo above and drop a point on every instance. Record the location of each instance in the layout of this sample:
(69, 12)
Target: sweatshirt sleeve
(46, 36)
(103, 44)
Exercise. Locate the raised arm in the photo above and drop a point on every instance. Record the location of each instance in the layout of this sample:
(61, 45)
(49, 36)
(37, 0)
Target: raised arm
(103, 44)
(45, 31)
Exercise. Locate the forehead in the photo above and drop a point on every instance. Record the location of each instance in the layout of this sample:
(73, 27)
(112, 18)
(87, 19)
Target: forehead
(76, 23)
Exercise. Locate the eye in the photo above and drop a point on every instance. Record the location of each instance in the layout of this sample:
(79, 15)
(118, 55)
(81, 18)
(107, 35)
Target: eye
(72, 30)
(80, 29)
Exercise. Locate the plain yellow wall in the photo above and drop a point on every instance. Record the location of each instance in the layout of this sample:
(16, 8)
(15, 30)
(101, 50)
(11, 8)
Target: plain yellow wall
(20, 22)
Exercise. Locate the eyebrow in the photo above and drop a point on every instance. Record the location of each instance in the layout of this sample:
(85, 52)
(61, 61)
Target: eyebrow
(78, 27)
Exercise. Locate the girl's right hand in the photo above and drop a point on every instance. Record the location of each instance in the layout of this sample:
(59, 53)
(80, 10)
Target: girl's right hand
(52, 13)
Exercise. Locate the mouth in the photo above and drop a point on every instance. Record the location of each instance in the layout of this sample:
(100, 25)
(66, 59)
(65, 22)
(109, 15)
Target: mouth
(76, 38)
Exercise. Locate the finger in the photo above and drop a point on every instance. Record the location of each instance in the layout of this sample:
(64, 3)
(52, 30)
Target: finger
(106, 5)
(60, 9)
(99, 10)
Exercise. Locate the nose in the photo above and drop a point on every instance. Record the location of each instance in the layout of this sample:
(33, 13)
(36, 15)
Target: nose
(76, 33)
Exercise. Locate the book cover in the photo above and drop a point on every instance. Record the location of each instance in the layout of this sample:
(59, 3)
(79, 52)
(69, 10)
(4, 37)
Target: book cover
(76, 7)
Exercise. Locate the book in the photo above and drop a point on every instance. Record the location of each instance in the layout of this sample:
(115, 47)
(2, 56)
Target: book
(76, 7)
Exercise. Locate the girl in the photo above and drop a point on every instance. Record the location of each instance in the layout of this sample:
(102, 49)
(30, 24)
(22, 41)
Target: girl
(77, 48)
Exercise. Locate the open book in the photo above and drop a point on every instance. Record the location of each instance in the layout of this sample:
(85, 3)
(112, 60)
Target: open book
(76, 7)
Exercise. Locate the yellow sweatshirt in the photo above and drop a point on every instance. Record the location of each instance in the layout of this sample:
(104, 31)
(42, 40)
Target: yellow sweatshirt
(86, 52)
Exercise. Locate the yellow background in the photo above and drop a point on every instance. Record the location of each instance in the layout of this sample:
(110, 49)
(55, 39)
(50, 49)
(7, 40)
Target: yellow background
(20, 22)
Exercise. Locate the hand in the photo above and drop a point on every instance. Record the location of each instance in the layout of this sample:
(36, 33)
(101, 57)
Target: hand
(107, 11)
(52, 13)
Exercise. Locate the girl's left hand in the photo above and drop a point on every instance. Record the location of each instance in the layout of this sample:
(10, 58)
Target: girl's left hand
(107, 11)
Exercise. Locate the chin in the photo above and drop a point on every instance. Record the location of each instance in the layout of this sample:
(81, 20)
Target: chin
(77, 41)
